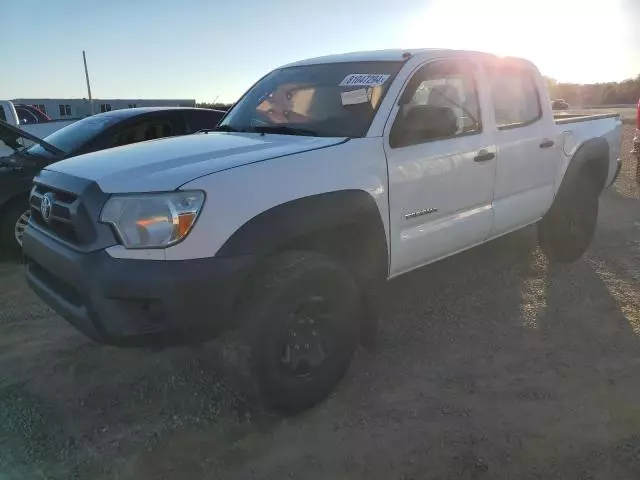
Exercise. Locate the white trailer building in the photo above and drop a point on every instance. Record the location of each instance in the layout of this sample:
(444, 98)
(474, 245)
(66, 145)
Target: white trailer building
(68, 108)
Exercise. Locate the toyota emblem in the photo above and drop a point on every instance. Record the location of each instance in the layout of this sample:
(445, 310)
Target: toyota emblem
(46, 206)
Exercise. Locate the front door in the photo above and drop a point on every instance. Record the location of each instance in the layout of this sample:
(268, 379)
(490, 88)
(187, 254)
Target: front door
(441, 166)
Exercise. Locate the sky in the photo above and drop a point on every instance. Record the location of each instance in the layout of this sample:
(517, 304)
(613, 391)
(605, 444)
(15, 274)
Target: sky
(216, 49)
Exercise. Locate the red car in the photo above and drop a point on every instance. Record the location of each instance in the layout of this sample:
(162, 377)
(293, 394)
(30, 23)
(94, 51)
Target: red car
(28, 114)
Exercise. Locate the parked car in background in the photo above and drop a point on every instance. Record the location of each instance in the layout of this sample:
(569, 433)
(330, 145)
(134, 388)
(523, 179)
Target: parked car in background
(28, 114)
(30, 119)
(559, 104)
(98, 132)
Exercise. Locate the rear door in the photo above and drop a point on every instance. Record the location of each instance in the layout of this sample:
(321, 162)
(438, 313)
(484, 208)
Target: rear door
(528, 152)
(440, 188)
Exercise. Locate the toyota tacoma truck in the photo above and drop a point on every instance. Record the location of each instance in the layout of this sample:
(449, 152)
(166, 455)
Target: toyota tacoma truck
(328, 177)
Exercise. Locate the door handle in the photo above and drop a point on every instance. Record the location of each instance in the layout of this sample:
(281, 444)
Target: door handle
(484, 156)
(547, 143)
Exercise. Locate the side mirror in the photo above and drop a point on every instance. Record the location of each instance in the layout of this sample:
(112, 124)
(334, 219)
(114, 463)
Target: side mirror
(423, 123)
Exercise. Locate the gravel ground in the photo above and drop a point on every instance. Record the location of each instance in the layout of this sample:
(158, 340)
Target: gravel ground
(493, 364)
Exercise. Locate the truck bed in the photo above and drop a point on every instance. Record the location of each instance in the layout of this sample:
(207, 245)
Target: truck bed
(576, 129)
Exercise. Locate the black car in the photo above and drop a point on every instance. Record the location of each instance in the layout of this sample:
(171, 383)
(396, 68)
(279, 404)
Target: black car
(98, 132)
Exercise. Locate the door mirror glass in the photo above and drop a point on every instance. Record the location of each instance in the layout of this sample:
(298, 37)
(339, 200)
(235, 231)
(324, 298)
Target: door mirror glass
(423, 123)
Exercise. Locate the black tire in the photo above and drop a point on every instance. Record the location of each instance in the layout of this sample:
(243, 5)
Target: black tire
(8, 228)
(304, 301)
(566, 231)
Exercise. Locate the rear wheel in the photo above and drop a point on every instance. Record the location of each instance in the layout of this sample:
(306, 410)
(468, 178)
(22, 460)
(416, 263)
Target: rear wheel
(566, 231)
(301, 323)
(12, 227)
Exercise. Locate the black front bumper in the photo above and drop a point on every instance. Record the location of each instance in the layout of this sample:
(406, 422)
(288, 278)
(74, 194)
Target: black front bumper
(134, 302)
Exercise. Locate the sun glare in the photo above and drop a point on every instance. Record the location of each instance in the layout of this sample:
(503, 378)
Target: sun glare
(564, 38)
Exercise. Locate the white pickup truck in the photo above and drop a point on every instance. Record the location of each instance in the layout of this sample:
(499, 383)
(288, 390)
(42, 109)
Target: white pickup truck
(327, 178)
(29, 120)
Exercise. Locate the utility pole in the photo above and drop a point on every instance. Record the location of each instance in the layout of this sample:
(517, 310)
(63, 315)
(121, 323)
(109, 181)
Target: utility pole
(86, 73)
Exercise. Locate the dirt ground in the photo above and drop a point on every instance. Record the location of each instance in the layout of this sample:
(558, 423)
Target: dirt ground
(492, 365)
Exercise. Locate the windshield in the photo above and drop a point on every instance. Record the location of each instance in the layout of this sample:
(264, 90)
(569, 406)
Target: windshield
(70, 138)
(331, 100)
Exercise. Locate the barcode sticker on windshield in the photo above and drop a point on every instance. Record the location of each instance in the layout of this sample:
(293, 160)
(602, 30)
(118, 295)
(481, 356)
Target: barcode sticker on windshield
(364, 80)
(354, 97)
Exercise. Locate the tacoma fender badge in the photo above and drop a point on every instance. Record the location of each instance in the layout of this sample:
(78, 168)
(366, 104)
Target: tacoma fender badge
(420, 213)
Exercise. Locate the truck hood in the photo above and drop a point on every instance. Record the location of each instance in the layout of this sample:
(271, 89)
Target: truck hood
(166, 164)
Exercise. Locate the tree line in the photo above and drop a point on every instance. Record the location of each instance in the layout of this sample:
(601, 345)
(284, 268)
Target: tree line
(611, 93)
(215, 106)
(626, 92)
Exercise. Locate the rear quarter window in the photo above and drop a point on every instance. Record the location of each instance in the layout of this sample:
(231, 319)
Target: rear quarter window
(516, 101)
(203, 120)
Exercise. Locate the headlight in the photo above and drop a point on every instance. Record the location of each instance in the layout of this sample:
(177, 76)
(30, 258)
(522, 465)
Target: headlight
(153, 220)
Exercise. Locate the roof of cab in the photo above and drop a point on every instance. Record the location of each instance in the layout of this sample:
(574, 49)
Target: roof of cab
(397, 55)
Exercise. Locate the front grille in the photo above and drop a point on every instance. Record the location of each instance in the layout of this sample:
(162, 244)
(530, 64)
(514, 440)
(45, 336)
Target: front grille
(64, 197)
(74, 213)
(60, 219)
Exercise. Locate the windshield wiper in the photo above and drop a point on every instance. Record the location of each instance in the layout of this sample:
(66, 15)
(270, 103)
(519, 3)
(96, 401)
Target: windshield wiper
(224, 128)
(284, 130)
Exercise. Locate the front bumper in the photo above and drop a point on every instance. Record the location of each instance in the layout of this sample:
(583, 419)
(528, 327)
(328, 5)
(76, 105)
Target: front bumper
(134, 302)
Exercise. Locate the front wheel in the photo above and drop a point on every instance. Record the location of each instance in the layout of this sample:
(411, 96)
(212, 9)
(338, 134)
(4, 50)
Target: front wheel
(566, 231)
(12, 227)
(301, 320)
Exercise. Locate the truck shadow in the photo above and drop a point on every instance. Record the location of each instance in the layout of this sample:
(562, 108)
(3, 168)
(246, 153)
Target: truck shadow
(513, 363)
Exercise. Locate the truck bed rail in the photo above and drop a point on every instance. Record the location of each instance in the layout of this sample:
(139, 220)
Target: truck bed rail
(563, 118)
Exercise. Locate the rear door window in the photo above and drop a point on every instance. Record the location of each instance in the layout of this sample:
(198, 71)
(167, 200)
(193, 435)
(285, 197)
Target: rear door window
(516, 100)
(151, 128)
(202, 119)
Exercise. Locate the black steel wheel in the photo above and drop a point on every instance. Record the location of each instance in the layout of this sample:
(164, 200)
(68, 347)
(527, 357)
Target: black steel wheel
(301, 322)
(566, 231)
